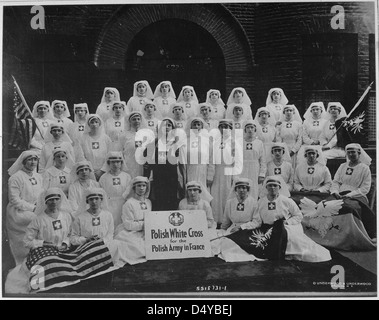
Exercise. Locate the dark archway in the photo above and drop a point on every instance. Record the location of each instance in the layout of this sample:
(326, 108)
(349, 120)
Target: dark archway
(176, 50)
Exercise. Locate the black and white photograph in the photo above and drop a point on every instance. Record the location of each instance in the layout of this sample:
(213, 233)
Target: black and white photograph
(189, 150)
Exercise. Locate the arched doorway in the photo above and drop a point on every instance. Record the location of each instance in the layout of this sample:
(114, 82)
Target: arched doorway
(177, 50)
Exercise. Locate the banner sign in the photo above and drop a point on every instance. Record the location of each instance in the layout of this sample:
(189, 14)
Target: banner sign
(176, 234)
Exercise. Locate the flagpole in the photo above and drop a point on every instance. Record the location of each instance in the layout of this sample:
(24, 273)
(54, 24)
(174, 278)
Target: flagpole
(352, 110)
(24, 101)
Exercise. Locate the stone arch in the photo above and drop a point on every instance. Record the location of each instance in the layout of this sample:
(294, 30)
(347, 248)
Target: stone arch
(126, 22)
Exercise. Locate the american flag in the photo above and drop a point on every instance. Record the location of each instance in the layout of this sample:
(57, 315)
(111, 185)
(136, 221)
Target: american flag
(50, 268)
(24, 126)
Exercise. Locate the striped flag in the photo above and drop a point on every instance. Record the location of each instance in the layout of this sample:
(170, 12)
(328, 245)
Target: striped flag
(50, 268)
(24, 126)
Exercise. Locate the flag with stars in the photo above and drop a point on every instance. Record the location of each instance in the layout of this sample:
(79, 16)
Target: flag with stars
(266, 242)
(53, 268)
(24, 125)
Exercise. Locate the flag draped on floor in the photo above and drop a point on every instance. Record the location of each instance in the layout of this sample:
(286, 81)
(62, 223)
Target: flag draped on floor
(50, 268)
(24, 126)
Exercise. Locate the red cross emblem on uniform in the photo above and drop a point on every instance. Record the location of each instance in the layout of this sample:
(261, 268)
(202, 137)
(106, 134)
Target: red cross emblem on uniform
(289, 125)
(179, 125)
(316, 123)
(249, 146)
(311, 170)
(188, 105)
(57, 224)
(95, 145)
(141, 101)
(332, 126)
(33, 181)
(194, 144)
(62, 179)
(117, 124)
(81, 127)
(240, 207)
(222, 145)
(165, 101)
(271, 206)
(138, 144)
(59, 120)
(143, 205)
(264, 130)
(349, 171)
(237, 125)
(278, 171)
(116, 181)
(107, 107)
(278, 108)
(150, 123)
(45, 124)
(215, 110)
(95, 221)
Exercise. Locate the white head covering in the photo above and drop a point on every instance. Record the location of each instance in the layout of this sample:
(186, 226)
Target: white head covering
(116, 94)
(219, 101)
(157, 113)
(70, 161)
(191, 120)
(135, 180)
(283, 99)
(80, 106)
(177, 105)
(238, 182)
(308, 113)
(306, 148)
(66, 113)
(52, 193)
(131, 115)
(49, 137)
(245, 100)
(204, 193)
(149, 93)
(278, 180)
(114, 155)
(111, 112)
(363, 157)
(296, 115)
(283, 146)
(158, 93)
(101, 129)
(18, 164)
(342, 114)
(257, 115)
(77, 166)
(49, 114)
(193, 98)
(93, 192)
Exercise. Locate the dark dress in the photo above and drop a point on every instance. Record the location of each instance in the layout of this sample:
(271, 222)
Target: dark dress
(166, 189)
